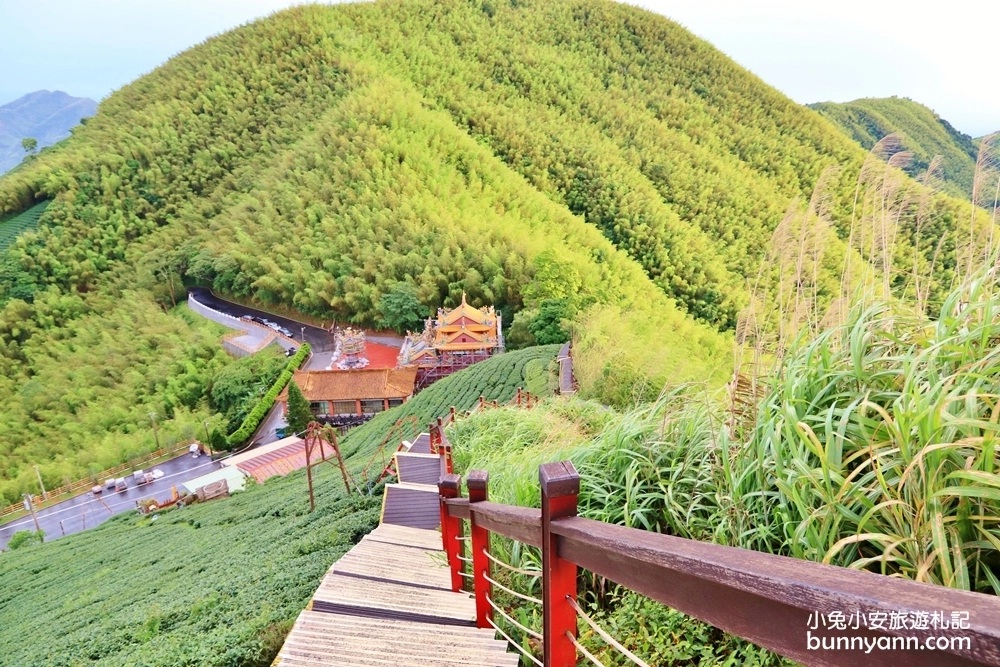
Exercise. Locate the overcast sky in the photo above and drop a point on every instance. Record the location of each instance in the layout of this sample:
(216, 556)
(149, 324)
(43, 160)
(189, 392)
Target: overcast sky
(945, 58)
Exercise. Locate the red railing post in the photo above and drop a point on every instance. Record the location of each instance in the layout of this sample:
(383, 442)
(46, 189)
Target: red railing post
(560, 487)
(478, 483)
(451, 528)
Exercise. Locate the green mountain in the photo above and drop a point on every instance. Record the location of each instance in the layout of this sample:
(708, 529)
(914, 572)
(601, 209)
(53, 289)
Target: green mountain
(588, 167)
(923, 132)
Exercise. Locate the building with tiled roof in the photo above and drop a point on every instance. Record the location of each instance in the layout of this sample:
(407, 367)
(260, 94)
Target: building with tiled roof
(363, 392)
(458, 338)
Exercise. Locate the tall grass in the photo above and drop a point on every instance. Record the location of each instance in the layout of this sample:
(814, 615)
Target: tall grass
(873, 446)
(878, 437)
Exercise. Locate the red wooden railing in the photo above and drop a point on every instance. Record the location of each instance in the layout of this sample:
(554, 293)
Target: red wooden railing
(769, 600)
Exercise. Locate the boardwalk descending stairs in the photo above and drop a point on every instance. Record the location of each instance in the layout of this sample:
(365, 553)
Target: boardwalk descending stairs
(388, 601)
(413, 501)
(421, 445)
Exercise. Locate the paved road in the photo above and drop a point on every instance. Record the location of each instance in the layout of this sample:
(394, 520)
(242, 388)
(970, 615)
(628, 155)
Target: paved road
(267, 432)
(87, 510)
(319, 339)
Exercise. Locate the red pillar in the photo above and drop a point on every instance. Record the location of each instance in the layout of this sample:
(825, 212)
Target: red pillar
(478, 483)
(560, 487)
(451, 528)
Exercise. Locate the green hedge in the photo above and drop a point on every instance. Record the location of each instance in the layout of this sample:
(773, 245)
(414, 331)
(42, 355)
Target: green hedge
(266, 401)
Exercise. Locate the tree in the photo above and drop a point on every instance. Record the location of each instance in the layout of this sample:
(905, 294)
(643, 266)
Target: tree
(400, 309)
(299, 415)
(547, 326)
(29, 144)
(23, 538)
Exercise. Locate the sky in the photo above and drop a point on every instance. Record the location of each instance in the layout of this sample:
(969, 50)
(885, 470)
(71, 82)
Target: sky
(811, 51)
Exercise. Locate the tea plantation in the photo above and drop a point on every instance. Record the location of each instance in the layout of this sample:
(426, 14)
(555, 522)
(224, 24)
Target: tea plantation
(217, 584)
(12, 226)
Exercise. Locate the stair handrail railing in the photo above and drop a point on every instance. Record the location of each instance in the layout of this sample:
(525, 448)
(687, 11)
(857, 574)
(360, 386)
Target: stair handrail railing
(781, 603)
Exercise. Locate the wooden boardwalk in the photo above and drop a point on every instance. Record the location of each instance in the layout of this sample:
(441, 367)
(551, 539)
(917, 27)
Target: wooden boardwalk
(567, 381)
(388, 601)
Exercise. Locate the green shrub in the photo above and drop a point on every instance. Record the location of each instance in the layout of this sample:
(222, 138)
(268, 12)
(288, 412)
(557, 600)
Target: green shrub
(24, 538)
(266, 401)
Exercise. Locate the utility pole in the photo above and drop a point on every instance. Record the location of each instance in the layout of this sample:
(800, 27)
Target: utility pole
(156, 436)
(208, 438)
(303, 334)
(30, 506)
(41, 484)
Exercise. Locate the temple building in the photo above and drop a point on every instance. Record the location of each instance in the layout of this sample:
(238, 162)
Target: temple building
(336, 395)
(457, 338)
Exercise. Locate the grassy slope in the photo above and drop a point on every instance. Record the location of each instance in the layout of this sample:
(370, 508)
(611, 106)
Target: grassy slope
(924, 132)
(214, 584)
(12, 225)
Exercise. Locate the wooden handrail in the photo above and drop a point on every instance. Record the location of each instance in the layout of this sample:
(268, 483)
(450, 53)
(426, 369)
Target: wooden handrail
(774, 601)
(523, 524)
(770, 599)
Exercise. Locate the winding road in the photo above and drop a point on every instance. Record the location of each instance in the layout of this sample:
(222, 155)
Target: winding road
(88, 510)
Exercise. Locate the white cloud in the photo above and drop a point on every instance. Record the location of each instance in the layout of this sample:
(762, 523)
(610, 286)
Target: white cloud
(941, 55)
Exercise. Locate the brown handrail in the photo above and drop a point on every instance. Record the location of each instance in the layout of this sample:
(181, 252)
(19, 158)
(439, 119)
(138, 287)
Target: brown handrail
(774, 601)
(771, 599)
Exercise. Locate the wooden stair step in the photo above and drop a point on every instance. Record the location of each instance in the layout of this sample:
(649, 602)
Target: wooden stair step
(433, 636)
(418, 537)
(426, 577)
(324, 622)
(394, 597)
(419, 468)
(415, 506)
(378, 654)
(319, 639)
(421, 444)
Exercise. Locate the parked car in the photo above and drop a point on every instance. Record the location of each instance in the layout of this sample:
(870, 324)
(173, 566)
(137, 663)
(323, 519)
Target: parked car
(142, 477)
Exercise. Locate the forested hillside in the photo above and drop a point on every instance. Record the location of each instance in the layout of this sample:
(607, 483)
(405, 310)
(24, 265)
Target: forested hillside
(584, 164)
(923, 131)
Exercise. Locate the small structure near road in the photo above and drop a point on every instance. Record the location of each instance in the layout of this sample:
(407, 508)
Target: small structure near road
(276, 458)
(234, 478)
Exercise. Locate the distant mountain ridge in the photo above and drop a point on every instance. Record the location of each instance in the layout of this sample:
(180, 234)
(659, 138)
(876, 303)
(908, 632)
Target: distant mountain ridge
(43, 115)
(924, 133)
